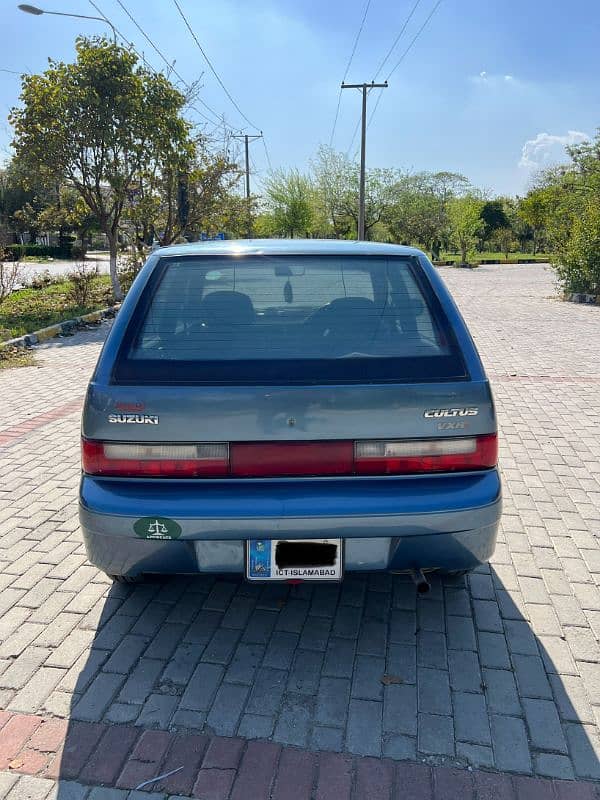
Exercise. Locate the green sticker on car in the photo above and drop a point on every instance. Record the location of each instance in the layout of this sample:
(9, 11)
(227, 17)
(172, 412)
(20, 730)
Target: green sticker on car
(157, 528)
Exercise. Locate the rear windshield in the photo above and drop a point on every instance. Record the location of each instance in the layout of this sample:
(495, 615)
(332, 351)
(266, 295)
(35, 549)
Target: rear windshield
(288, 319)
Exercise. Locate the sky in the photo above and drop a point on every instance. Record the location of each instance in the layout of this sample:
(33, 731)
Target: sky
(493, 90)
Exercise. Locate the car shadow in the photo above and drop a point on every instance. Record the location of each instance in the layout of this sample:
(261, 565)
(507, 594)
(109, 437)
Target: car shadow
(455, 677)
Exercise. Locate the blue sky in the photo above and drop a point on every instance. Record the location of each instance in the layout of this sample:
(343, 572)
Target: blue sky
(490, 89)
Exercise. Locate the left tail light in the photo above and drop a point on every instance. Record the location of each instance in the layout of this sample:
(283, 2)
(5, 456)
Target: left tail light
(129, 460)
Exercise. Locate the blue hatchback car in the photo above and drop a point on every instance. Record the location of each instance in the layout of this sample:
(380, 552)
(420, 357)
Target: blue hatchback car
(289, 410)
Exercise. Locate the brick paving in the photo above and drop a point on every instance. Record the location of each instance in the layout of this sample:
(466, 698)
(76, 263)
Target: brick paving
(39, 750)
(487, 680)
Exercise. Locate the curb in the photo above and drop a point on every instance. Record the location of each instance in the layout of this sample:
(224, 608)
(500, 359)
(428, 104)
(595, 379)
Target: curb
(65, 328)
(487, 261)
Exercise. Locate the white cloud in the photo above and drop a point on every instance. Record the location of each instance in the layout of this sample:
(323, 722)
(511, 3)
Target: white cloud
(486, 79)
(548, 148)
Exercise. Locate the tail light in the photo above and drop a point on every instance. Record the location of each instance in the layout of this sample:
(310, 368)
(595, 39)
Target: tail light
(294, 459)
(128, 460)
(414, 456)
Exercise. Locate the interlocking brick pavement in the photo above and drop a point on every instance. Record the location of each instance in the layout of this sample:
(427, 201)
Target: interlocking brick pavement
(499, 672)
(104, 761)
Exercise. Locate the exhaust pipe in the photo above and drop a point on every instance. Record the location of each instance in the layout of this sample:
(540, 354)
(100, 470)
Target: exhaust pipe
(420, 581)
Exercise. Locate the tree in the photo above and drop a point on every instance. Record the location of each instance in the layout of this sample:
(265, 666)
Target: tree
(564, 202)
(577, 262)
(187, 196)
(99, 124)
(68, 213)
(532, 209)
(22, 198)
(464, 215)
(504, 240)
(291, 202)
(494, 219)
(336, 181)
(420, 211)
(335, 193)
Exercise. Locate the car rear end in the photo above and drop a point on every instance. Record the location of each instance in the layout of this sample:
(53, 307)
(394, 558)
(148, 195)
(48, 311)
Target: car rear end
(290, 411)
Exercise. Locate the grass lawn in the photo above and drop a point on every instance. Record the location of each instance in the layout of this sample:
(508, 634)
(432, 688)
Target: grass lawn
(28, 310)
(499, 257)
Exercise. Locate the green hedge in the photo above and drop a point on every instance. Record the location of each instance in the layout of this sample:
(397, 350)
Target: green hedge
(14, 252)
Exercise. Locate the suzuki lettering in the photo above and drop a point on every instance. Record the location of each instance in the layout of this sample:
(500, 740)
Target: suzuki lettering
(134, 419)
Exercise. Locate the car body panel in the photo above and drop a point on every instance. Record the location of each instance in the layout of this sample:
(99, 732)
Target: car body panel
(254, 413)
(446, 521)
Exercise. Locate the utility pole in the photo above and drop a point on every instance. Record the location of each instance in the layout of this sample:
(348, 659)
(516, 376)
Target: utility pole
(247, 139)
(364, 87)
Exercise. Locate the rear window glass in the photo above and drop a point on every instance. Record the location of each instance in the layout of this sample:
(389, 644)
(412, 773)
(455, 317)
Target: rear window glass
(287, 319)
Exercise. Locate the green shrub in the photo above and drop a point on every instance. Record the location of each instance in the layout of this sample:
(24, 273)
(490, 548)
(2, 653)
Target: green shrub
(15, 252)
(43, 279)
(577, 260)
(83, 281)
(129, 266)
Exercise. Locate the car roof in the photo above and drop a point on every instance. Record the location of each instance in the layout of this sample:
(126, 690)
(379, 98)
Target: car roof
(330, 247)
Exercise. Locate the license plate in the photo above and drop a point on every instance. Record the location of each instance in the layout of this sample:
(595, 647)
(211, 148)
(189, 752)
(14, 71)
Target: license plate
(294, 560)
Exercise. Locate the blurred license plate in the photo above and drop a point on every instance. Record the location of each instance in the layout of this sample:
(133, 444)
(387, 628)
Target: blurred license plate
(294, 560)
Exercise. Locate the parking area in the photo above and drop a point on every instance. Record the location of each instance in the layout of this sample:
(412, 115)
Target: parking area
(499, 672)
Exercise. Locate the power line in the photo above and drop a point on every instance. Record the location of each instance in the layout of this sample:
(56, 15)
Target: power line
(122, 37)
(414, 39)
(354, 46)
(220, 120)
(151, 42)
(400, 60)
(187, 86)
(212, 69)
(396, 40)
(171, 67)
(403, 56)
(264, 141)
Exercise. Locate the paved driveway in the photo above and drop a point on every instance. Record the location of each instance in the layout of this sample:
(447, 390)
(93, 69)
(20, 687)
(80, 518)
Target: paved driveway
(499, 673)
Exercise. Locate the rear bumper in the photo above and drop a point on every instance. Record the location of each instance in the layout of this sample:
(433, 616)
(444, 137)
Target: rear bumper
(433, 522)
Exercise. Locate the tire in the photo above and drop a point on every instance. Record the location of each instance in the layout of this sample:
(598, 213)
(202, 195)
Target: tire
(130, 579)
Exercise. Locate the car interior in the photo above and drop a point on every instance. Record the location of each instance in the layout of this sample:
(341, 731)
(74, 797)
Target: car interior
(207, 313)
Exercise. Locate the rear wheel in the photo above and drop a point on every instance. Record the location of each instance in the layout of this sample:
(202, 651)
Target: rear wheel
(126, 578)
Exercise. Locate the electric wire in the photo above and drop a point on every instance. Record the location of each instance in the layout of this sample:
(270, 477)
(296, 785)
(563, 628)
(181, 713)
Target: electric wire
(397, 39)
(395, 67)
(121, 36)
(212, 69)
(171, 67)
(404, 54)
(414, 39)
(354, 46)
(266, 152)
(150, 42)
(220, 121)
